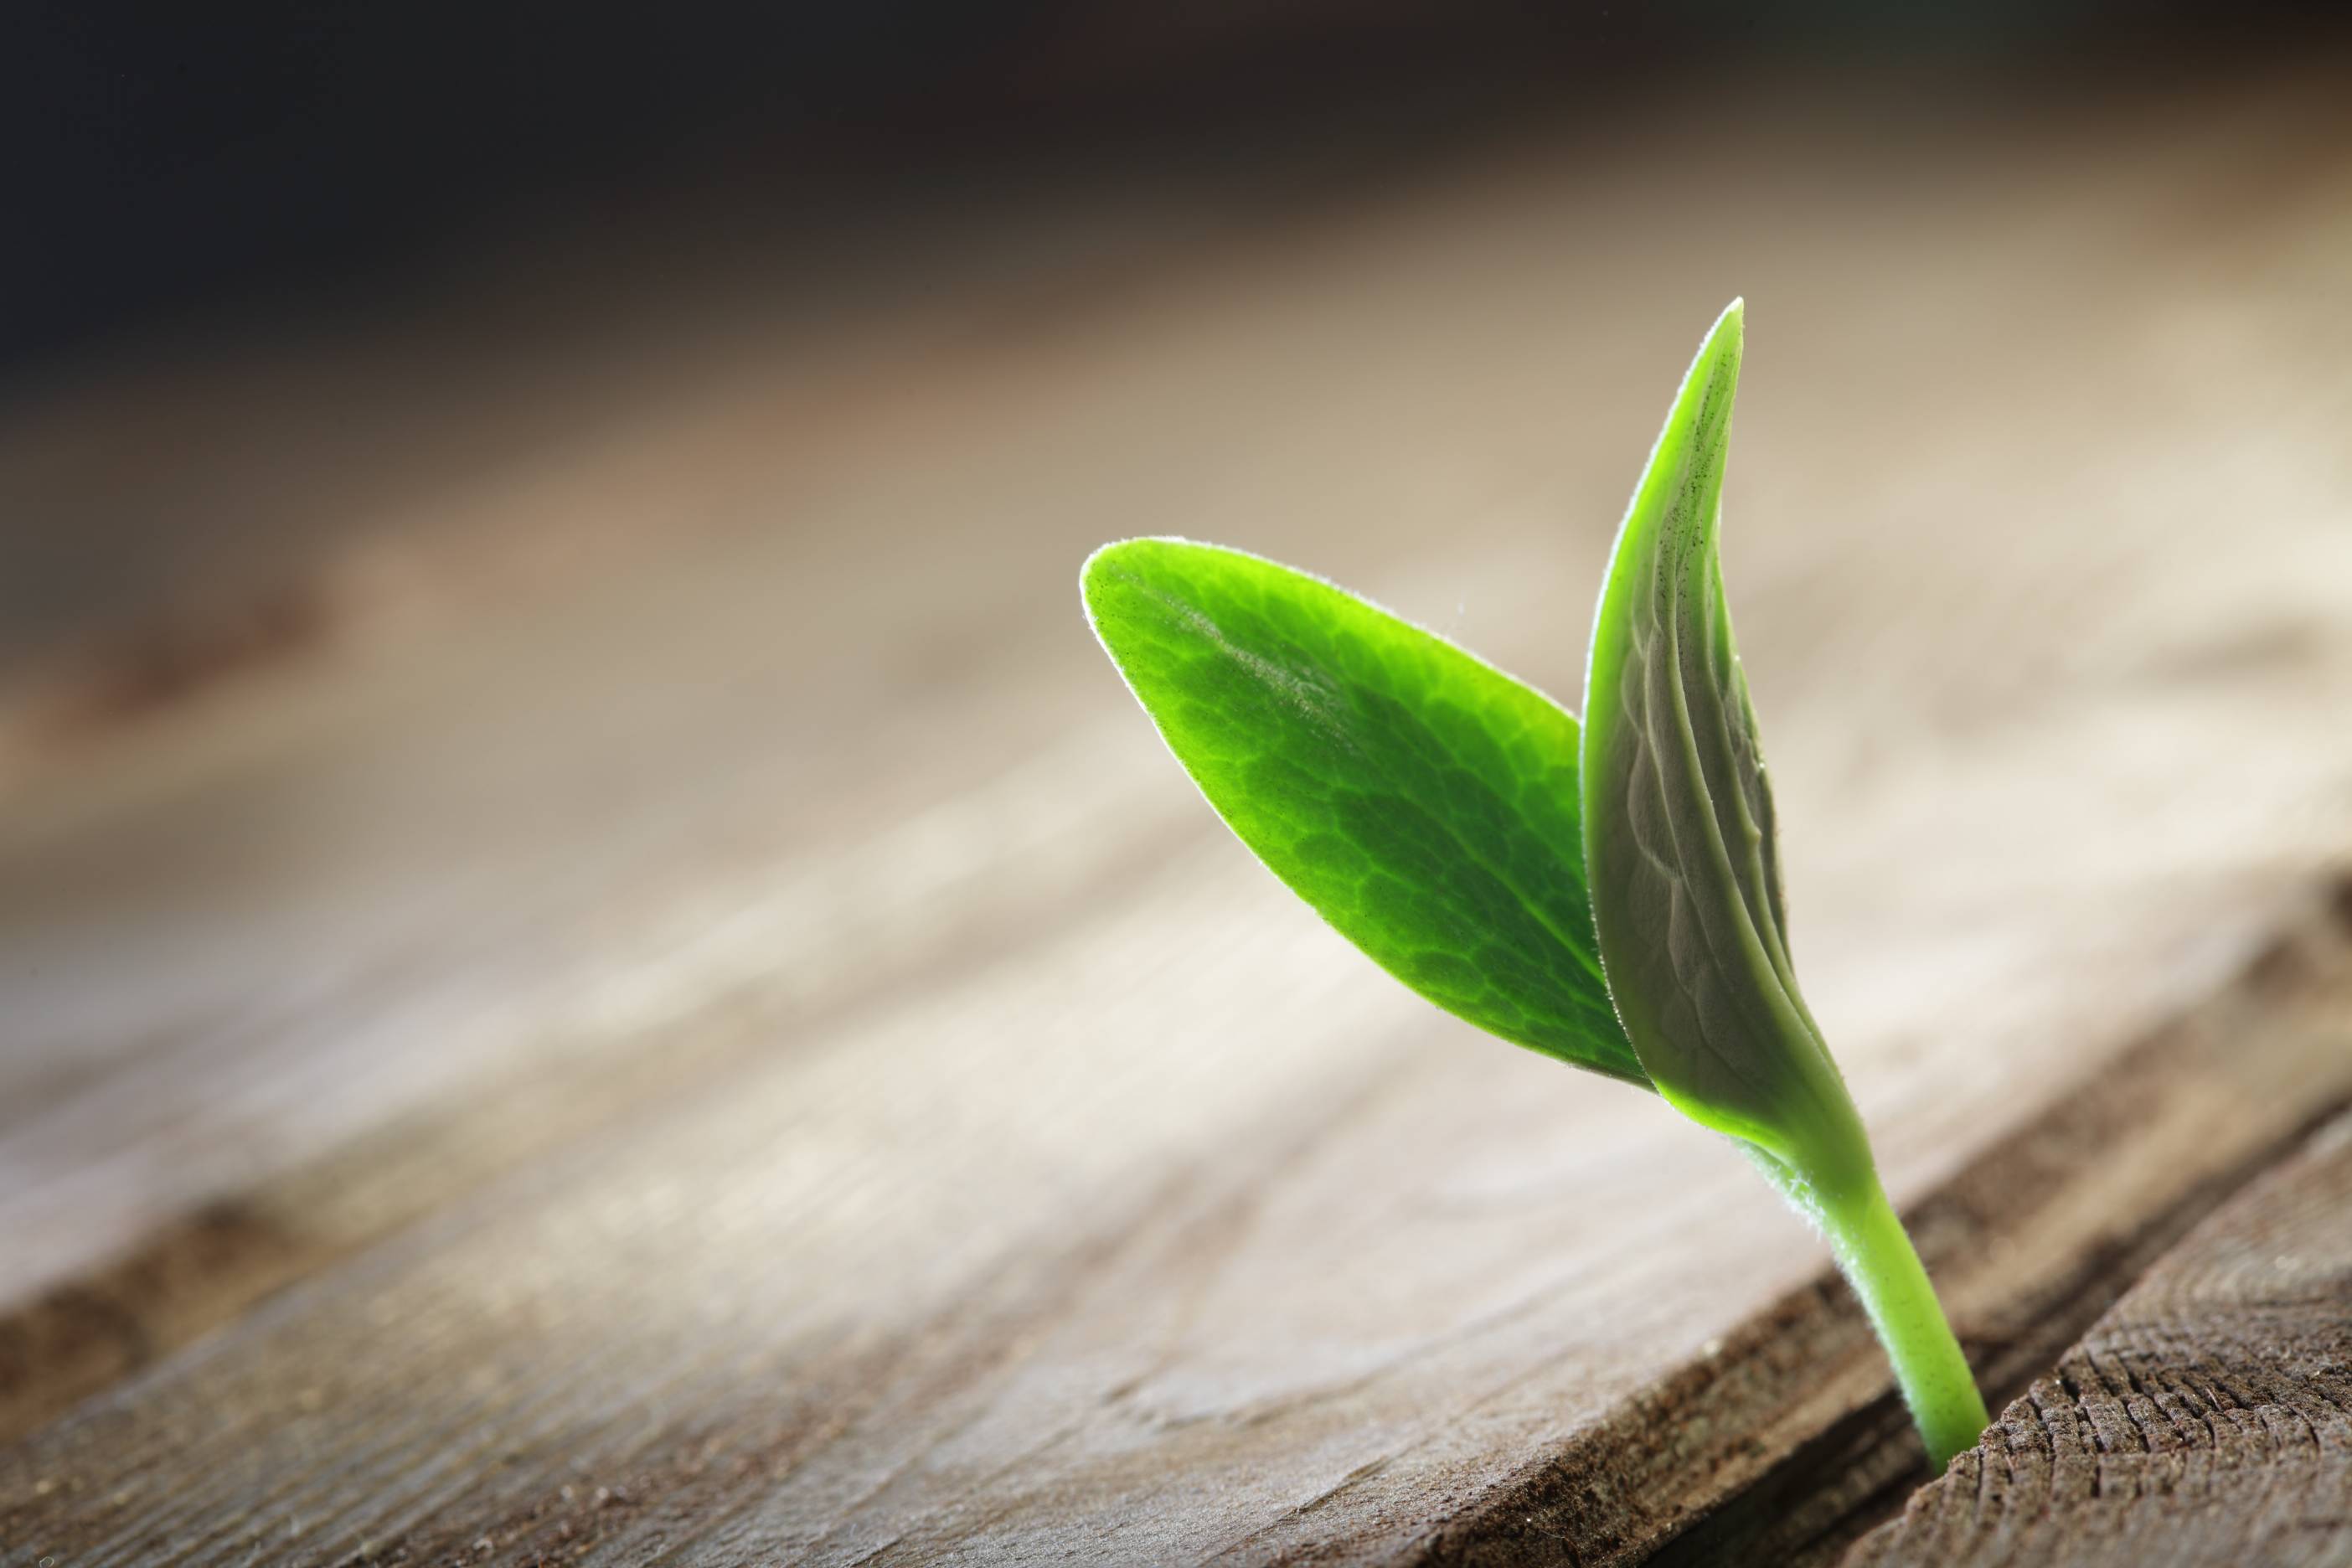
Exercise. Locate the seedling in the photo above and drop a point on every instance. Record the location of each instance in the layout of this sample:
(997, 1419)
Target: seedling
(1609, 896)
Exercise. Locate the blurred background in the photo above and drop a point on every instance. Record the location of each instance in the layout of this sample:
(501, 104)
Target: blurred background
(538, 549)
(541, 191)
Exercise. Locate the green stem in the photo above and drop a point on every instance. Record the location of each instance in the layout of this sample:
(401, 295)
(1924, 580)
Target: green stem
(1879, 1261)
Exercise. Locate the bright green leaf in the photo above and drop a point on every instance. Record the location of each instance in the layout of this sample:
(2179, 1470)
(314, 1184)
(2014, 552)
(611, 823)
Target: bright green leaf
(1679, 840)
(1426, 804)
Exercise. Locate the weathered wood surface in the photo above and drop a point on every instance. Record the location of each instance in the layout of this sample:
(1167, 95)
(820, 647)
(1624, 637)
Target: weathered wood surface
(2206, 1419)
(743, 1048)
(2102, 1145)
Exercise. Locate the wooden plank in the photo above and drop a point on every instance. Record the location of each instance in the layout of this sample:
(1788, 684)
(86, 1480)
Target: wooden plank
(2057, 1218)
(617, 1355)
(872, 1112)
(2206, 1419)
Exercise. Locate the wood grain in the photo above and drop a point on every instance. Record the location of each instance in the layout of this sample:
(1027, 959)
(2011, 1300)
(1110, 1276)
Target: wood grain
(743, 1048)
(2130, 1141)
(2206, 1419)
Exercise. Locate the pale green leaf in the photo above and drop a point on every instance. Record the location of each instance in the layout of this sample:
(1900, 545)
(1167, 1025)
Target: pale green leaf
(1679, 832)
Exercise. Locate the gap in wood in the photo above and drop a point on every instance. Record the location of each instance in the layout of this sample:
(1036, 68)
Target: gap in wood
(1809, 1508)
(1816, 1503)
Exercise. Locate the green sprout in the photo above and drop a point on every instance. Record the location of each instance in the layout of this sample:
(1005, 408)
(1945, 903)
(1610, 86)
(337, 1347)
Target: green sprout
(1609, 896)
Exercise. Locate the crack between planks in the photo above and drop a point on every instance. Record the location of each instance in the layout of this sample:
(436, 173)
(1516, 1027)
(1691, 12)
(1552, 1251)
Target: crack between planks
(1816, 1470)
(1856, 1470)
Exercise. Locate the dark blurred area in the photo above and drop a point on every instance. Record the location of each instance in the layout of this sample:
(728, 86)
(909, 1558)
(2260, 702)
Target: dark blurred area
(169, 158)
(192, 187)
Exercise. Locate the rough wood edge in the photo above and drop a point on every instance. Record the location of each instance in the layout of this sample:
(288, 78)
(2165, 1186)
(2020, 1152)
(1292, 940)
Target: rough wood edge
(1787, 1443)
(2205, 1420)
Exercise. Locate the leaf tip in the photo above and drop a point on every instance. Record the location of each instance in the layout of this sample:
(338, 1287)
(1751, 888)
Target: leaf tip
(1103, 568)
(1111, 579)
(1729, 336)
(1099, 560)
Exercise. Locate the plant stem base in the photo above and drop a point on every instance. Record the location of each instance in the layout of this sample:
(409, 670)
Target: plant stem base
(1878, 1259)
